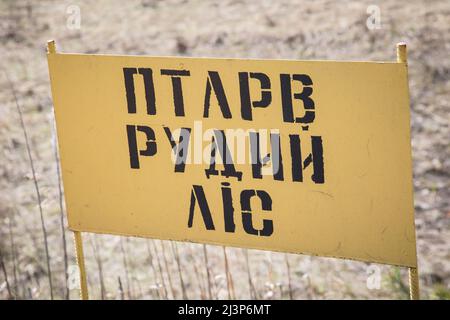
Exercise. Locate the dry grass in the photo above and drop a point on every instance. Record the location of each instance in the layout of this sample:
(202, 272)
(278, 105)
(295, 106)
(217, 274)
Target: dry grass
(33, 248)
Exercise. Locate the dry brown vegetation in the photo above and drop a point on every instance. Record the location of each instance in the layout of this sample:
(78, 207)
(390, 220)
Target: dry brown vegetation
(123, 268)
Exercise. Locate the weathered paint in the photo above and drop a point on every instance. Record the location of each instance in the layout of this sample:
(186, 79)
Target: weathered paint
(360, 206)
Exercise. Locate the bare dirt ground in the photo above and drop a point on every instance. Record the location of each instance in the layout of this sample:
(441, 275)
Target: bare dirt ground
(138, 268)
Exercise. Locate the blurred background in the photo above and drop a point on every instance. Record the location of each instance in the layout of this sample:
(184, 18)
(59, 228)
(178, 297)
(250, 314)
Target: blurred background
(32, 207)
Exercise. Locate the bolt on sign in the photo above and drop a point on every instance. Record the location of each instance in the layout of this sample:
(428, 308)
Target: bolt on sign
(305, 157)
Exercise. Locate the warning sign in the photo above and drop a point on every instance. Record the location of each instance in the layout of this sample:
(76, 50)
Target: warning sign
(298, 156)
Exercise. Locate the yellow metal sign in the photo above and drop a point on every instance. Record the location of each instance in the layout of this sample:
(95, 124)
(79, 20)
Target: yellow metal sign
(297, 156)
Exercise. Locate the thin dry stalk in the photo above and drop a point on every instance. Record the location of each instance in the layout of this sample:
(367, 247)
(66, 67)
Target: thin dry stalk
(37, 281)
(280, 288)
(286, 258)
(30, 233)
(253, 293)
(61, 216)
(205, 254)
(5, 275)
(197, 273)
(36, 185)
(14, 259)
(177, 260)
(121, 293)
(24, 290)
(141, 293)
(269, 266)
(230, 286)
(125, 265)
(98, 260)
(166, 264)
(155, 250)
(152, 264)
(310, 291)
(158, 293)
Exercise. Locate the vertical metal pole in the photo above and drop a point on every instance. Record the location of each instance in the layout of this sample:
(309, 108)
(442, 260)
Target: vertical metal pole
(402, 57)
(80, 262)
(51, 46)
(414, 292)
(51, 49)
